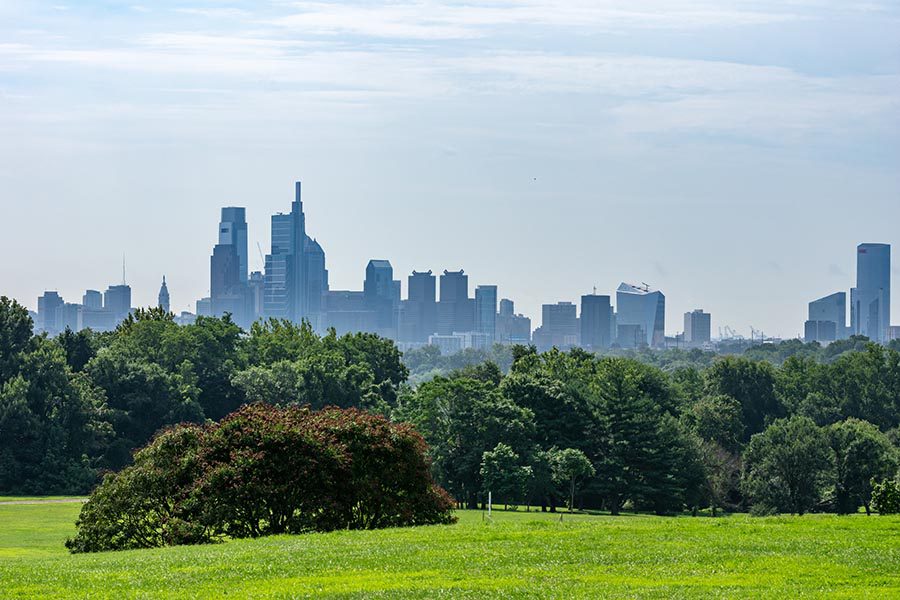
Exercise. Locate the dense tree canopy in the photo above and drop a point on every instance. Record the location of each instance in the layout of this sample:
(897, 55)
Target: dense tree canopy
(783, 427)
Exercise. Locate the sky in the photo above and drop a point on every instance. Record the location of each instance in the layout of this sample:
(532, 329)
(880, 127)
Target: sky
(729, 153)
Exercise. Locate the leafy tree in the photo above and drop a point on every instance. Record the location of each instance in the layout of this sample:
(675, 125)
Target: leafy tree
(461, 419)
(79, 347)
(861, 454)
(716, 419)
(502, 474)
(569, 466)
(786, 466)
(752, 384)
(722, 471)
(886, 497)
(15, 336)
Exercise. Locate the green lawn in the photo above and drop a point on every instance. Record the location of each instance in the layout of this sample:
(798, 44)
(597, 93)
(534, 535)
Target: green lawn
(518, 555)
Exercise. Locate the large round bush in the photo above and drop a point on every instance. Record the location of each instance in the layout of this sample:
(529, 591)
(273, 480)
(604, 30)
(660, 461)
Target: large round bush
(265, 470)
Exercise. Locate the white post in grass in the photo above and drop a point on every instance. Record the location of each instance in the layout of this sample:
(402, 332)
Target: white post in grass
(489, 504)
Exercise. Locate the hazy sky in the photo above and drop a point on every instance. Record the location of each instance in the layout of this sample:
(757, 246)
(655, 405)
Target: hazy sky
(729, 153)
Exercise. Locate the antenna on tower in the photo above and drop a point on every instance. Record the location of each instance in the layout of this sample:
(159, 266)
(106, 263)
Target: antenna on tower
(123, 268)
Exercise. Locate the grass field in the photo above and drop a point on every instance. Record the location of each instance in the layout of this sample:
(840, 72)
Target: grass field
(517, 555)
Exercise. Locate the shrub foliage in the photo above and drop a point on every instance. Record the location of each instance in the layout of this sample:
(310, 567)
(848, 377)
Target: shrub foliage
(265, 470)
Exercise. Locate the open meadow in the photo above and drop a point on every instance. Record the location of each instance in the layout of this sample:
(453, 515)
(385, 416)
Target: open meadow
(518, 554)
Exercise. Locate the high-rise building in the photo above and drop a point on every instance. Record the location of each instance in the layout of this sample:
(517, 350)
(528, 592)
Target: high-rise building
(233, 232)
(697, 327)
(486, 311)
(117, 300)
(559, 327)
(257, 284)
(228, 295)
(48, 304)
(512, 328)
(380, 293)
(296, 279)
(419, 314)
(163, 299)
(92, 299)
(596, 313)
(870, 300)
(316, 283)
(830, 309)
(642, 307)
(455, 310)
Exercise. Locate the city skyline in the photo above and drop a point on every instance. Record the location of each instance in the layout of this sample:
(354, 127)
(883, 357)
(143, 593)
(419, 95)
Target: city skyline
(298, 288)
(719, 151)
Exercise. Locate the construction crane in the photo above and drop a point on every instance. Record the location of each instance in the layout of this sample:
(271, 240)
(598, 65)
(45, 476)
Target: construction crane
(261, 257)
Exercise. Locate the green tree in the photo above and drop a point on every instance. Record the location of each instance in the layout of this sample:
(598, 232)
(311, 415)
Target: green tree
(461, 419)
(862, 454)
(502, 475)
(569, 467)
(752, 384)
(886, 497)
(787, 466)
(716, 419)
(15, 336)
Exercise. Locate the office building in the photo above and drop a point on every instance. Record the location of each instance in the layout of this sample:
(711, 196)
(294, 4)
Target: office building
(830, 309)
(347, 312)
(644, 308)
(163, 298)
(486, 311)
(559, 327)
(257, 285)
(596, 314)
(233, 232)
(418, 316)
(117, 300)
(512, 328)
(382, 296)
(697, 327)
(296, 280)
(48, 305)
(455, 310)
(870, 300)
(92, 299)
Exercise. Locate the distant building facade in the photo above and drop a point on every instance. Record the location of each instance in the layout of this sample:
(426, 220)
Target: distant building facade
(644, 308)
(870, 300)
(596, 317)
(697, 327)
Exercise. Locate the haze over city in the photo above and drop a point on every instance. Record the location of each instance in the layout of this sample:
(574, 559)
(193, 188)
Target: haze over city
(730, 155)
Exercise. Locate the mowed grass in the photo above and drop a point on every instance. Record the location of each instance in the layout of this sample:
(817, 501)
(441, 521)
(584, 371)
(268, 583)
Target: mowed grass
(519, 554)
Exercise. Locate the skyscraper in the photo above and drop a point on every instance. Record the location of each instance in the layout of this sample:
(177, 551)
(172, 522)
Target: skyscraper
(455, 311)
(827, 319)
(420, 308)
(164, 296)
(92, 299)
(380, 295)
(233, 232)
(559, 327)
(296, 279)
(48, 304)
(486, 311)
(870, 300)
(117, 300)
(697, 327)
(640, 308)
(596, 312)
(512, 328)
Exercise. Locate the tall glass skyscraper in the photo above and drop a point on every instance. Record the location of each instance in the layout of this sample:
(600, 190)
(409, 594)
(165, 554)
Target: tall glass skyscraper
(486, 311)
(642, 307)
(870, 300)
(595, 321)
(233, 232)
(296, 278)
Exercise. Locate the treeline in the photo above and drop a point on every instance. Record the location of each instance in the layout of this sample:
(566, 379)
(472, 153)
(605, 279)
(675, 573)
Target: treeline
(741, 434)
(546, 429)
(81, 403)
